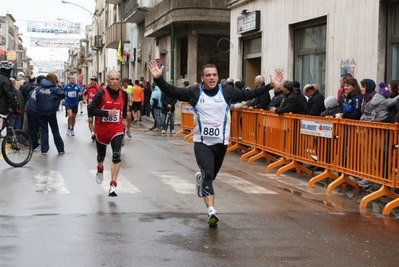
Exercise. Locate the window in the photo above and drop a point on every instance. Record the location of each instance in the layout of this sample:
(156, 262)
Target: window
(393, 42)
(253, 47)
(310, 54)
(183, 56)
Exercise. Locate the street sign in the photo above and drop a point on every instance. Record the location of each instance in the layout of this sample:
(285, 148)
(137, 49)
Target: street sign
(12, 55)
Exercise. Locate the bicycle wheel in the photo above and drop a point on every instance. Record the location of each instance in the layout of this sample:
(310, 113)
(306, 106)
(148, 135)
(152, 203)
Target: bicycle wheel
(17, 149)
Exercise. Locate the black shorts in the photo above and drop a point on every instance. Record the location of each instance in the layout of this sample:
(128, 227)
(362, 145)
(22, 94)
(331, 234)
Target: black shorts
(74, 109)
(136, 106)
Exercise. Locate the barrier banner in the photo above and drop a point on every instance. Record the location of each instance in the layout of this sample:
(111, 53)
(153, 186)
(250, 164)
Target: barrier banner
(315, 128)
(53, 42)
(60, 27)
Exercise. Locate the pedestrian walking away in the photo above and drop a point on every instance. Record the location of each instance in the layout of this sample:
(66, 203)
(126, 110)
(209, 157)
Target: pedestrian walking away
(211, 105)
(109, 107)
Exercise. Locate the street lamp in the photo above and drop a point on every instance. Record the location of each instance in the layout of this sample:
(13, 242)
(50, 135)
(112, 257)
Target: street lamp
(98, 30)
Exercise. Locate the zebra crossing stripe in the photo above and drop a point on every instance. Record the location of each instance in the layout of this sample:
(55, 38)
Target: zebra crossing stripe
(179, 185)
(243, 185)
(124, 186)
(50, 181)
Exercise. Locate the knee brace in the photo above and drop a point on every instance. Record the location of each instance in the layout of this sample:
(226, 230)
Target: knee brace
(100, 158)
(116, 157)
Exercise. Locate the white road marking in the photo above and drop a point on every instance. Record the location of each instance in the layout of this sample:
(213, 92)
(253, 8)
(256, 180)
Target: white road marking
(50, 182)
(178, 184)
(124, 186)
(243, 185)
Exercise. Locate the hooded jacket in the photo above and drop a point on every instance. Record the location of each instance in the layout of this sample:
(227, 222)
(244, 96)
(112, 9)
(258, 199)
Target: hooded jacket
(379, 107)
(156, 94)
(8, 97)
(48, 97)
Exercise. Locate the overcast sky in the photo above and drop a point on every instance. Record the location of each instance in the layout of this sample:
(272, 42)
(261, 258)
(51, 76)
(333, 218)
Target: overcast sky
(47, 10)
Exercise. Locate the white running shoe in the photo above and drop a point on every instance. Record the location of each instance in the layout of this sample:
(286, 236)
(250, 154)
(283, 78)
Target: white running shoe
(72, 132)
(163, 132)
(212, 219)
(198, 187)
(99, 177)
(112, 191)
(68, 133)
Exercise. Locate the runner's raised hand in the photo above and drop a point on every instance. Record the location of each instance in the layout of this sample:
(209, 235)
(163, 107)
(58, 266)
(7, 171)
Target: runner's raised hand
(276, 78)
(156, 72)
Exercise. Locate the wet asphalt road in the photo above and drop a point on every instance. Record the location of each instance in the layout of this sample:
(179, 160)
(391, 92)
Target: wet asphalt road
(52, 213)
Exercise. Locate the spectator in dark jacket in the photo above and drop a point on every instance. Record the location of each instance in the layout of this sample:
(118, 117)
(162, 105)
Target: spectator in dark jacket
(316, 100)
(262, 101)
(168, 104)
(290, 103)
(8, 99)
(48, 97)
(278, 96)
(32, 117)
(147, 97)
(393, 112)
(302, 100)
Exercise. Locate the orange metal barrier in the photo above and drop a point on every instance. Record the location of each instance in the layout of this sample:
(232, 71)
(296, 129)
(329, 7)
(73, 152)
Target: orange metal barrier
(245, 129)
(314, 143)
(187, 122)
(361, 149)
(369, 151)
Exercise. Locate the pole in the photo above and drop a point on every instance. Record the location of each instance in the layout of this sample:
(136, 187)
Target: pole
(172, 56)
(121, 68)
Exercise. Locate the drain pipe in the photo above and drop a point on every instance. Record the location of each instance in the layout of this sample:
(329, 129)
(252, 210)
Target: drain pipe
(172, 56)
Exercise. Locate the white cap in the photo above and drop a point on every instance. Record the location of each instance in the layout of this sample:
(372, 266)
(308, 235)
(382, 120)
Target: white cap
(21, 74)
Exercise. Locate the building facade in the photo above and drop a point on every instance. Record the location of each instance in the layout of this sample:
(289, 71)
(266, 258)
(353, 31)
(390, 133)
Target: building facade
(315, 41)
(11, 45)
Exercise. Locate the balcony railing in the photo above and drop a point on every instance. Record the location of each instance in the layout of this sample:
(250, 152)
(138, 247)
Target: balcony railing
(113, 35)
(134, 10)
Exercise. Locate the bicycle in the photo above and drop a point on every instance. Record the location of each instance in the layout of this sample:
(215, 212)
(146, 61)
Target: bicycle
(17, 147)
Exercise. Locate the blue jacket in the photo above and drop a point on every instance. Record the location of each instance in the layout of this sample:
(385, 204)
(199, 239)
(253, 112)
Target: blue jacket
(30, 105)
(351, 106)
(156, 94)
(48, 97)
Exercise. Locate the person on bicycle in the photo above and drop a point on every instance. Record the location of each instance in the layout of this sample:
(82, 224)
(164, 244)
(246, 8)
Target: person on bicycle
(168, 105)
(8, 98)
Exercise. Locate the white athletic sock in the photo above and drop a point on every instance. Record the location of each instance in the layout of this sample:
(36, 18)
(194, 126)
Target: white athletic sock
(211, 210)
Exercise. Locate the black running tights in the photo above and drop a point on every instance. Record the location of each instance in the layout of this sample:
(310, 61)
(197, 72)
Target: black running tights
(209, 160)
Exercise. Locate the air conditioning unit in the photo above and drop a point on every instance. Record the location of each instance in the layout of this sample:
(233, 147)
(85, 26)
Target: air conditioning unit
(98, 42)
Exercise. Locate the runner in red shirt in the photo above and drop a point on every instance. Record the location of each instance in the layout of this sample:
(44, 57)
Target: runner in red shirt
(109, 107)
(91, 90)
